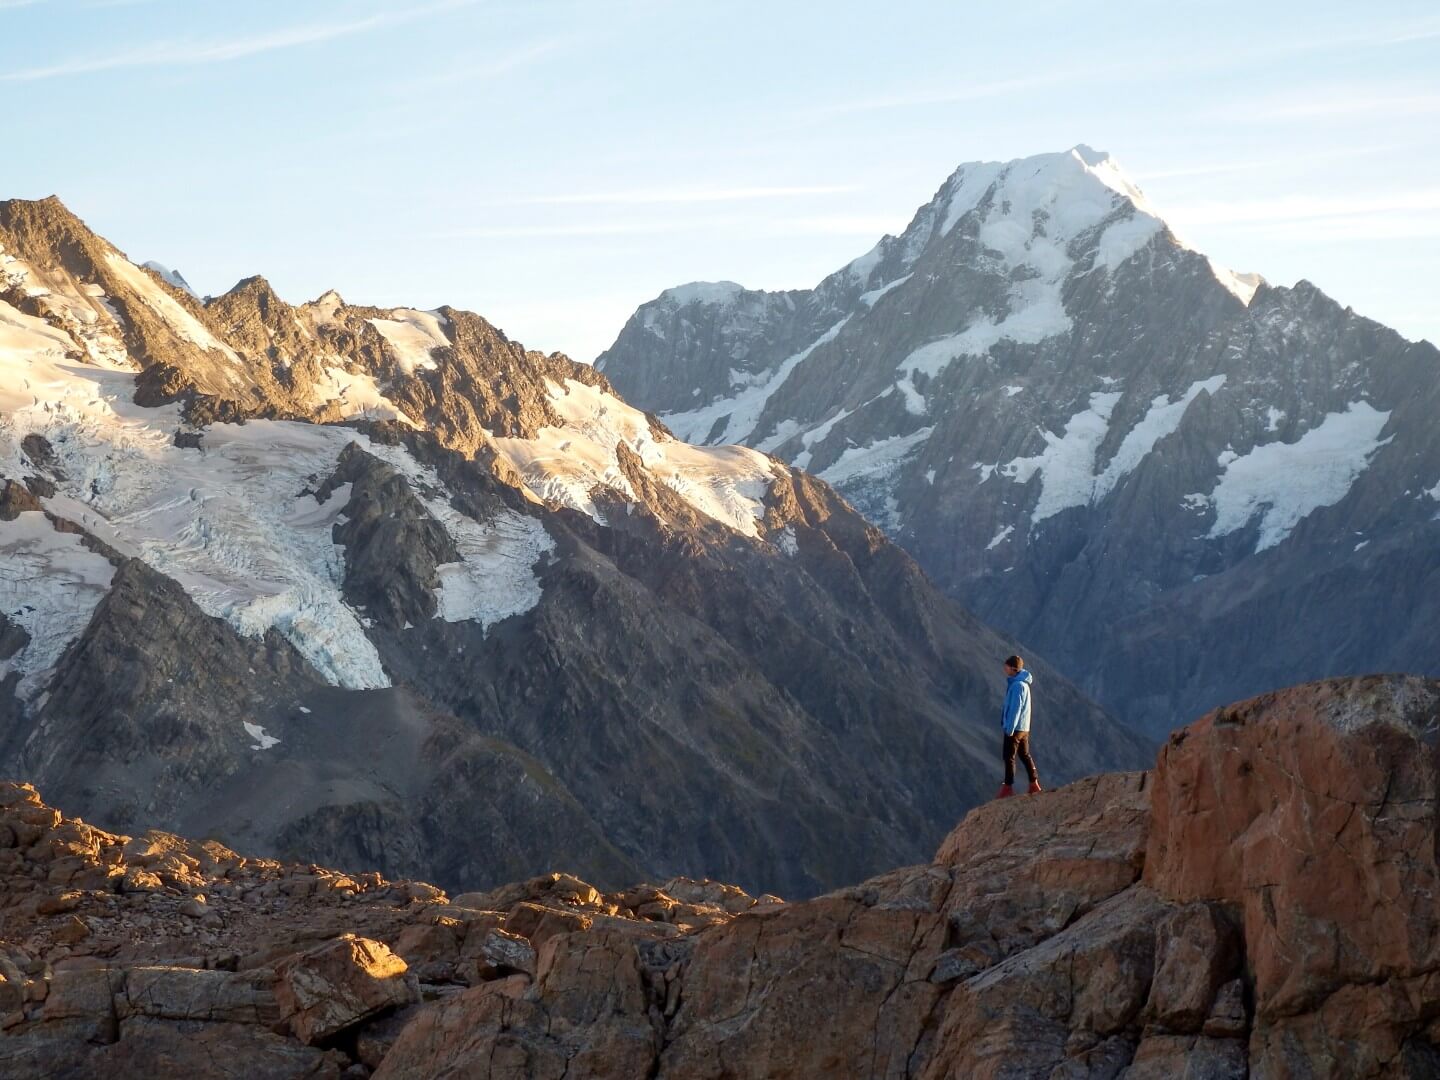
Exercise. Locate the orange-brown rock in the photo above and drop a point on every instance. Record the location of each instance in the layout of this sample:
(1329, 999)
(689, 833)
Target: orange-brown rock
(1262, 904)
(1311, 813)
(338, 985)
(1116, 927)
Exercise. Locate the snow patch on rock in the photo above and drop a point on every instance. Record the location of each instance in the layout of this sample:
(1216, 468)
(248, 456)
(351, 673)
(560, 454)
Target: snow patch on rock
(869, 298)
(413, 336)
(1283, 483)
(1162, 419)
(880, 459)
(1067, 464)
(744, 409)
(566, 463)
(172, 277)
(359, 396)
(1000, 537)
(167, 308)
(703, 292)
(914, 400)
(262, 740)
(1242, 286)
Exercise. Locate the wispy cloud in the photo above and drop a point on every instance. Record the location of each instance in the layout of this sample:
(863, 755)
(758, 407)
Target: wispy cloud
(1367, 227)
(1423, 30)
(1341, 104)
(655, 196)
(872, 227)
(179, 53)
(478, 70)
(978, 91)
(532, 232)
(4, 4)
(1394, 33)
(1394, 216)
(1216, 168)
(1300, 207)
(752, 225)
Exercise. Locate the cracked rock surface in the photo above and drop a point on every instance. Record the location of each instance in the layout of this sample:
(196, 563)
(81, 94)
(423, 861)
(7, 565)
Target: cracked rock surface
(1258, 904)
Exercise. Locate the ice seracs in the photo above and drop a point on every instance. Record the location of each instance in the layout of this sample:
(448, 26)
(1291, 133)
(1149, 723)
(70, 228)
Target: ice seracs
(233, 520)
(50, 585)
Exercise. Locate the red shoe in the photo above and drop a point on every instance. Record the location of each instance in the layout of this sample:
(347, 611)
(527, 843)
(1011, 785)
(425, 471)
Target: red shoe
(1035, 787)
(1005, 791)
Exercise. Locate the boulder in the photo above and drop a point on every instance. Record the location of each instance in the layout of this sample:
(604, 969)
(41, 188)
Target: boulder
(1312, 811)
(339, 984)
(498, 952)
(171, 993)
(594, 1021)
(1197, 951)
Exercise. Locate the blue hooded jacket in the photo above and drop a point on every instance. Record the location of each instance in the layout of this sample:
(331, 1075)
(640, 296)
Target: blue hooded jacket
(1017, 703)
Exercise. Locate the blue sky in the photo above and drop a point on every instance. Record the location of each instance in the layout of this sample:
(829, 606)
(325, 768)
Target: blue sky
(552, 163)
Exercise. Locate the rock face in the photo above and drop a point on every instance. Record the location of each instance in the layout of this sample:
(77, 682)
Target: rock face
(381, 588)
(1259, 905)
(1072, 420)
(193, 961)
(1323, 844)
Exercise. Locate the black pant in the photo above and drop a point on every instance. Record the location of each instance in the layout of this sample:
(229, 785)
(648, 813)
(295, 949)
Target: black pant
(1019, 743)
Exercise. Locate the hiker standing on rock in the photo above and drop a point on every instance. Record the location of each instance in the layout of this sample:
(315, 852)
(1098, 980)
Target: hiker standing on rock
(1016, 723)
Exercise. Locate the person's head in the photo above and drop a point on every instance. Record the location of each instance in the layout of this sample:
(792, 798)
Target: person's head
(1014, 665)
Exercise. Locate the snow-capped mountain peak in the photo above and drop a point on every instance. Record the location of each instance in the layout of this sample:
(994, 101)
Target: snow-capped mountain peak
(173, 277)
(1034, 357)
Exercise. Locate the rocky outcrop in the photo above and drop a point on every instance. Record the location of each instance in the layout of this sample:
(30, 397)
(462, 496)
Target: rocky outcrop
(1256, 906)
(152, 955)
(340, 985)
(1311, 814)
(1073, 420)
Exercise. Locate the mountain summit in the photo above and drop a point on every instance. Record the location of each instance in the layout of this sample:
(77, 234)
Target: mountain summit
(1075, 421)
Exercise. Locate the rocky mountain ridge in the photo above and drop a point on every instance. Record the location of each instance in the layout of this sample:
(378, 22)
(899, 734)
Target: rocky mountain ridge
(1073, 420)
(1258, 904)
(381, 588)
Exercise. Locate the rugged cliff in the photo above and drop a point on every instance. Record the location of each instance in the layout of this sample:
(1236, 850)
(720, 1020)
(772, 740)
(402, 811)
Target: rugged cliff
(1259, 904)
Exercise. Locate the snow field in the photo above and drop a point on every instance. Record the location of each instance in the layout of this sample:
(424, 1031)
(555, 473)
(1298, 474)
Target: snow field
(565, 463)
(1285, 482)
(1067, 465)
(232, 522)
(413, 337)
